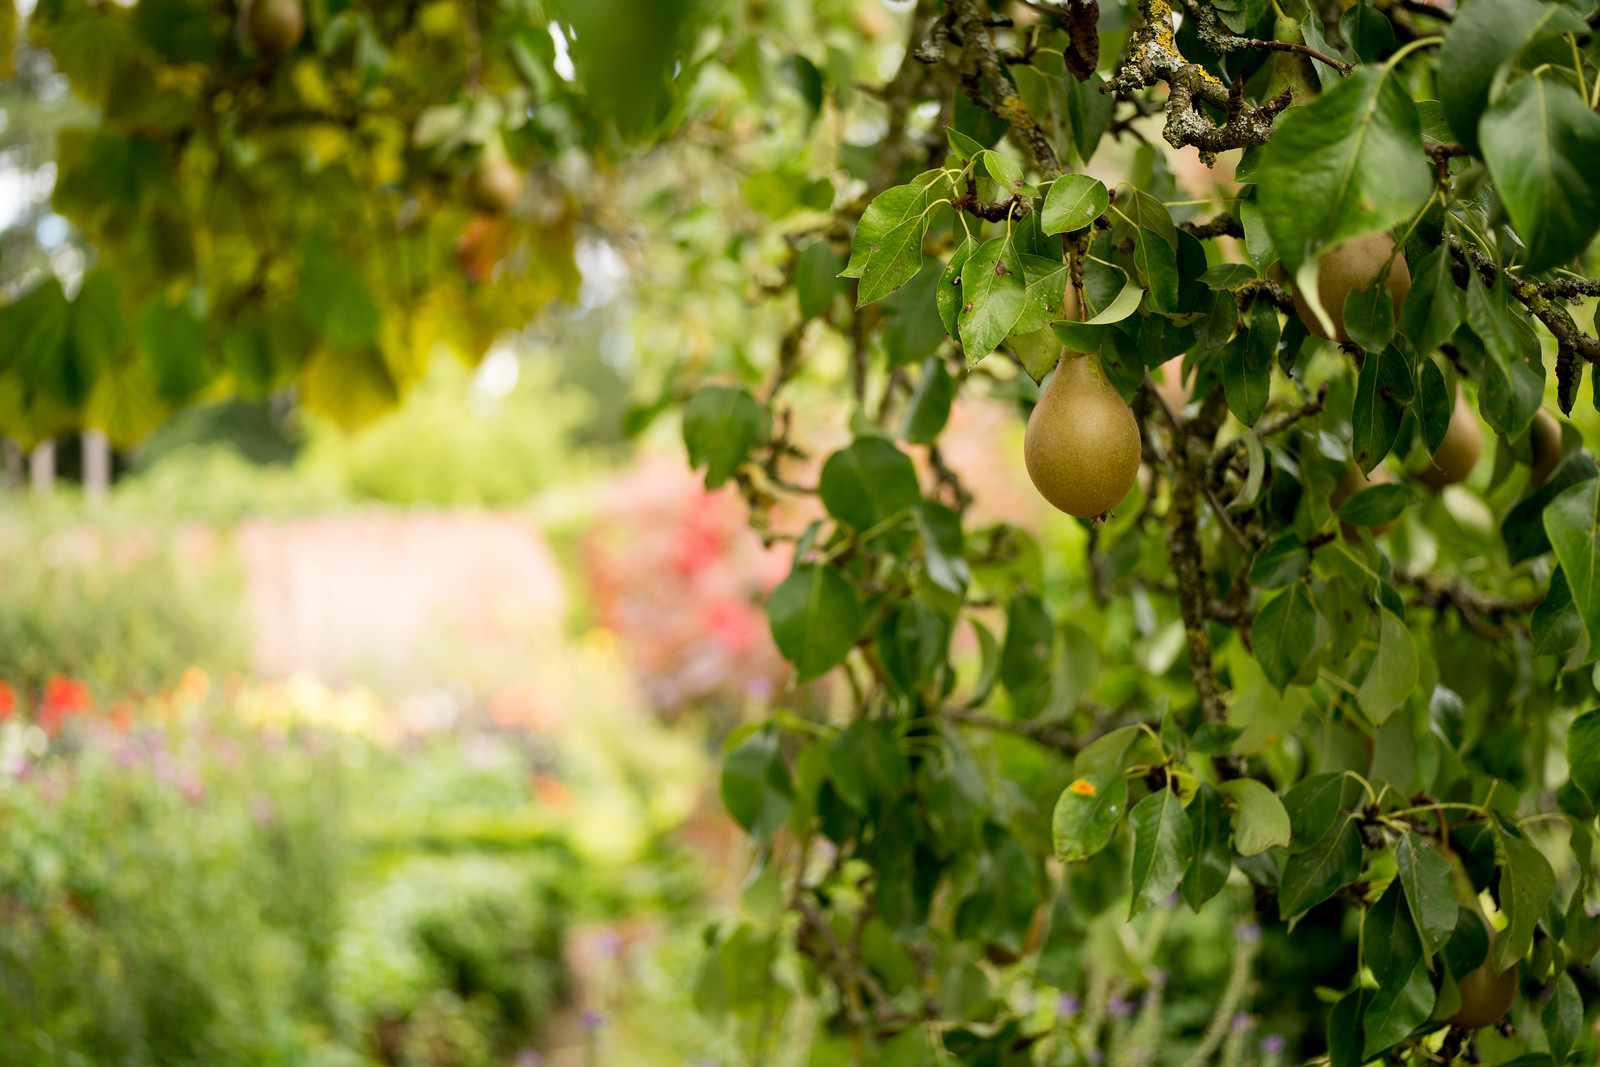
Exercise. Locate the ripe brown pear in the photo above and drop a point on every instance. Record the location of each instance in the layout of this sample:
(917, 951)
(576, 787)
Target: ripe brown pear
(1460, 450)
(1352, 483)
(274, 27)
(1082, 445)
(495, 184)
(1352, 266)
(1546, 447)
(1485, 996)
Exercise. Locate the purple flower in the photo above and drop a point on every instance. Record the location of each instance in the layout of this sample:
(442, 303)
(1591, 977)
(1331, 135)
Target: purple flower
(1159, 978)
(1242, 1022)
(1121, 1007)
(1249, 933)
(593, 1020)
(1096, 1057)
(528, 1057)
(1068, 1006)
(1273, 1044)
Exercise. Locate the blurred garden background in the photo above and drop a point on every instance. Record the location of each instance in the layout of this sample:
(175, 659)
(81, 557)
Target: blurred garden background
(376, 716)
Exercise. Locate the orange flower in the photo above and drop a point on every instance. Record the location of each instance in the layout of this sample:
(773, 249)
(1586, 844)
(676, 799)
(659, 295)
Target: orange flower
(1083, 787)
(8, 700)
(63, 698)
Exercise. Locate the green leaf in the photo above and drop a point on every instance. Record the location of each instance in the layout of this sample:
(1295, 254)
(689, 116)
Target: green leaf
(1073, 202)
(1215, 739)
(1583, 752)
(33, 338)
(1263, 821)
(1582, 934)
(1378, 504)
(1526, 885)
(1125, 303)
(1007, 174)
(1348, 163)
(942, 546)
(1157, 265)
(1431, 310)
(868, 483)
(1345, 1038)
(97, 326)
(889, 209)
(1089, 111)
(334, 299)
(866, 764)
(1285, 632)
(1482, 38)
(1424, 875)
(720, 424)
(911, 644)
(756, 788)
(1046, 280)
(1383, 390)
(1390, 945)
(892, 261)
(963, 147)
(1367, 31)
(1314, 875)
(1163, 846)
(1313, 804)
(1489, 314)
(1555, 628)
(929, 407)
(173, 338)
(815, 616)
(993, 294)
(1435, 406)
(948, 296)
(1213, 856)
(1542, 144)
(1369, 314)
(1250, 491)
(816, 279)
(1523, 527)
(1246, 379)
(1151, 214)
(1087, 814)
(1025, 656)
(1563, 1019)
(1396, 1010)
(1393, 674)
(1571, 521)
(1227, 276)
(1280, 562)
(989, 665)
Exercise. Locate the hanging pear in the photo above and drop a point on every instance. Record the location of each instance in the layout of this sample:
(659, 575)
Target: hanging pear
(1352, 266)
(1460, 450)
(1082, 445)
(274, 27)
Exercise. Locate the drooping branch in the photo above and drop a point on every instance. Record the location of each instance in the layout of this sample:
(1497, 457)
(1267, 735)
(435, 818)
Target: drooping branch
(1482, 615)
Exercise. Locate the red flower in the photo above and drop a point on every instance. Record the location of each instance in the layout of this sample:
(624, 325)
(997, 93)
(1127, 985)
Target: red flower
(63, 698)
(8, 700)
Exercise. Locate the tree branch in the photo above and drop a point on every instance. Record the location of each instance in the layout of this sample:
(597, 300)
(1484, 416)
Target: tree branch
(1482, 615)
(1222, 40)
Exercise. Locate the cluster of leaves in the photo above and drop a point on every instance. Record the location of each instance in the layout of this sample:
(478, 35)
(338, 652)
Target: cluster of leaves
(1343, 726)
(257, 224)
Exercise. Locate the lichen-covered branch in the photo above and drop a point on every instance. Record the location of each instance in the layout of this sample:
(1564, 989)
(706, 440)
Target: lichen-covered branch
(1221, 40)
(1191, 448)
(1152, 56)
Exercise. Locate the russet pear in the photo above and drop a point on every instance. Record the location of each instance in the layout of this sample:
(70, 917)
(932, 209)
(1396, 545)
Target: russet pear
(274, 27)
(1460, 450)
(1546, 448)
(1352, 266)
(1352, 483)
(1082, 444)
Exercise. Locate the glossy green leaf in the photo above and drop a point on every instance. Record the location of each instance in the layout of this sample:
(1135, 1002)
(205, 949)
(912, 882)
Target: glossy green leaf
(1430, 898)
(1366, 30)
(947, 298)
(1378, 504)
(720, 424)
(893, 260)
(892, 208)
(1163, 847)
(1431, 310)
(1393, 674)
(1556, 628)
(1025, 656)
(1280, 562)
(1526, 886)
(1262, 820)
(1046, 280)
(1383, 390)
(911, 644)
(1542, 143)
(1246, 379)
(1435, 406)
(815, 616)
(1329, 864)
(1156, 263)
(1583, 752)
(993, 292)
(1395, 1010)
(1313, 804)
(1369, 315)
(1213, 855)
(869, 483)
(1073, 202)
(943, 545)
(1285, 632)
(1562, 1018)
(1390, 945)
(1572, 522)
(756, 786)
(1482, 39)
(866, 764)
(1348, 163)
(1087, 814)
